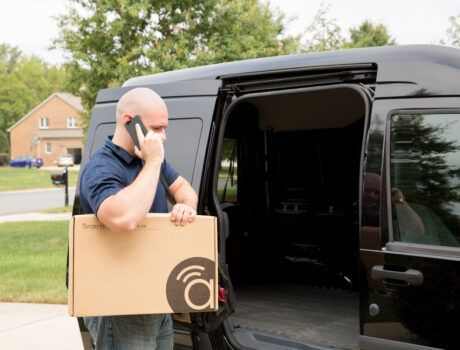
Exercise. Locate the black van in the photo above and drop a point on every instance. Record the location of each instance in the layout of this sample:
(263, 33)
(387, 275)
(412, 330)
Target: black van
(335, 178)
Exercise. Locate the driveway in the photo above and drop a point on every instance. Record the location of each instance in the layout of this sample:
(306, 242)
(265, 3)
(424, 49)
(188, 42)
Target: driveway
(38, 326)
(14, 202)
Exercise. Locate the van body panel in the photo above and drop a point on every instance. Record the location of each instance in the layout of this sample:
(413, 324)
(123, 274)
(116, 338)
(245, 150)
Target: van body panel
(421, 309)
(417, 70)
(103, 116)
(192, 118)
(198, 87)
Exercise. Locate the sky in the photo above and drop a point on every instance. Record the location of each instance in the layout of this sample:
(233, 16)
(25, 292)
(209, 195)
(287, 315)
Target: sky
(29, 24)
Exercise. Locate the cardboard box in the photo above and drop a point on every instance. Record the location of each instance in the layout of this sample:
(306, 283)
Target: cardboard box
(160, 268)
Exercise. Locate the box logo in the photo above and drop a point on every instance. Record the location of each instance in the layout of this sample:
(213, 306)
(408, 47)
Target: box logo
(190, 285)
(92, 226)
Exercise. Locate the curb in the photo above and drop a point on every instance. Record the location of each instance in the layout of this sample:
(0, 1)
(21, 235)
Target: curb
(55, 188)
(35, 217)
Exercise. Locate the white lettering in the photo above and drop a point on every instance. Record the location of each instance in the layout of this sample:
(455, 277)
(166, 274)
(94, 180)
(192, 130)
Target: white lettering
(208, 284)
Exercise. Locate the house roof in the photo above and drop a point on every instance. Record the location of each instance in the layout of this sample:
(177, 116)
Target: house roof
(70, 99)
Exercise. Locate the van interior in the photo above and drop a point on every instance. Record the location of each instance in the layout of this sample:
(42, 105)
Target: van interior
(288, 187)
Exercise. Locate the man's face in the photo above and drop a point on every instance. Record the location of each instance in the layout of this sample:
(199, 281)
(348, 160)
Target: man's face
(156, 120)
(371, 195)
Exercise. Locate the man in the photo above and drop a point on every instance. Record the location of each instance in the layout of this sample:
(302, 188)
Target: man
(371, 200)
(120, 184)
(406, 220)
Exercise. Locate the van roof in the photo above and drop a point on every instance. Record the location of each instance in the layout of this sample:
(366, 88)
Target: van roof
(416, 69)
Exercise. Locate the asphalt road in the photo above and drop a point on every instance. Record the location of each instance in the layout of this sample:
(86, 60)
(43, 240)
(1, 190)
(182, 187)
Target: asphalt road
(14, 202)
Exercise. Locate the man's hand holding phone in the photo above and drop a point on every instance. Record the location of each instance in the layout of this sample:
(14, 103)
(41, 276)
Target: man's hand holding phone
(151, 146)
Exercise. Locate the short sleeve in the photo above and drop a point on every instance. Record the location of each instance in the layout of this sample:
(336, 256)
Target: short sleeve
(100, 182)
(169, 173)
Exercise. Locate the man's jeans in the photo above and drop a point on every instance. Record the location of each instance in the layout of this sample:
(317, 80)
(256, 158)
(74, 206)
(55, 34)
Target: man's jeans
(131, 332)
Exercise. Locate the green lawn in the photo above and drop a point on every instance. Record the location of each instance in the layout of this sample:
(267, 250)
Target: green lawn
(58, 210)
(33, 259)
(25, 178)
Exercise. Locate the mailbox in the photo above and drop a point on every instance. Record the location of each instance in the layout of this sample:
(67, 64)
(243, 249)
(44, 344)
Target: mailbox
(59, 178)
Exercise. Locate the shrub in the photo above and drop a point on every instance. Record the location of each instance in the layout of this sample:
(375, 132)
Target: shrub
(4, 159)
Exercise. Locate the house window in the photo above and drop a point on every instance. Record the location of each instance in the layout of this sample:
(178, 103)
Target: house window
(72, 122)
(44, 123)
(48, 148)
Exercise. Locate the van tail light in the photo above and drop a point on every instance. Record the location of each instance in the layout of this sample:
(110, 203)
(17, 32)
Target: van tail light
(223, 295)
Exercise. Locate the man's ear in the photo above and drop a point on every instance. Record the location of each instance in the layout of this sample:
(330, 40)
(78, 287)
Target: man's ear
(126, 118)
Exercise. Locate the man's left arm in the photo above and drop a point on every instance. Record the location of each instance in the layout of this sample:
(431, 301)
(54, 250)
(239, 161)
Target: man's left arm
(186, 201)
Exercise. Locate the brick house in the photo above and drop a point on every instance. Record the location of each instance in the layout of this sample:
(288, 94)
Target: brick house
(49, 130)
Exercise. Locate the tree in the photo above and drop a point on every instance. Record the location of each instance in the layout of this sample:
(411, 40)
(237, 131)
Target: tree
(109, 41)
(24, 83)
(9, 57)
(367, 35)
(429, 179)
(323, 33)
(453, 31)
(4, 145)
(246, 29)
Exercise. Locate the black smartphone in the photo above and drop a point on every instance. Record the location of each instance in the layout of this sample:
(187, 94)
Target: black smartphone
(131, 127)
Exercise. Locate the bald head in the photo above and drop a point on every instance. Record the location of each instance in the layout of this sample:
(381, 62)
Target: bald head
(371, 194)
(149, 106)
(139, 101)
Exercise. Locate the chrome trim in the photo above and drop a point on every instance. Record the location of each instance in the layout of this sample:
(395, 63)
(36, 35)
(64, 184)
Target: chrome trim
(370, 343)
(425, 250)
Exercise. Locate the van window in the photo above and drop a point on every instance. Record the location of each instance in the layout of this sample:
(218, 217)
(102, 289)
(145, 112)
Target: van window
(228, 177)
(101, 133)
(425, 178)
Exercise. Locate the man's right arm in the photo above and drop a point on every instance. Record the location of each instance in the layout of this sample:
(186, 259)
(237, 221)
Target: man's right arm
(124, 210)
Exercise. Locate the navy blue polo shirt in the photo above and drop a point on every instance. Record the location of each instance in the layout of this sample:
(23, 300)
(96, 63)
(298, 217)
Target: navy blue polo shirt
(111, 169)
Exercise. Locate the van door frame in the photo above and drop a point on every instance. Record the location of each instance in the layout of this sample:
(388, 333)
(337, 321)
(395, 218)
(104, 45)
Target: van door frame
(232, 100)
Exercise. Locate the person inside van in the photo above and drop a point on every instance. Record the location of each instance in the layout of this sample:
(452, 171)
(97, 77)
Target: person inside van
(370, 237)
(408, 221)
(120, 184)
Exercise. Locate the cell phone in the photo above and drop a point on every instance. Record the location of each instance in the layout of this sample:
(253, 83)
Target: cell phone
(131, 127)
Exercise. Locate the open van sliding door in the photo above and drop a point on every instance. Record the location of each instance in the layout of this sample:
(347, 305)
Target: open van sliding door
(410, 226)
(251, 91)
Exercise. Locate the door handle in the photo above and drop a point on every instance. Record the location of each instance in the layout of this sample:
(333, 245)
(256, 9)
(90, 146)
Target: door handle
(411, 277)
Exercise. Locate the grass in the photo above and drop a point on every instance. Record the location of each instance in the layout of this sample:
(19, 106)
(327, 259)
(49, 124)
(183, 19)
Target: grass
(33, 261)
(230, 194)
(24, 178)
(57, 210)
